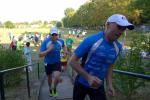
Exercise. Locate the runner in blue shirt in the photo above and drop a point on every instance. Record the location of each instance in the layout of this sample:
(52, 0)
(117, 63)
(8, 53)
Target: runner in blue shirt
(50, 50)
(102, 50)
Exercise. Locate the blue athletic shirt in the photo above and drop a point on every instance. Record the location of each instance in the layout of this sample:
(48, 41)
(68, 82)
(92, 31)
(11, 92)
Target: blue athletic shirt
(54, 55)
(100, 60)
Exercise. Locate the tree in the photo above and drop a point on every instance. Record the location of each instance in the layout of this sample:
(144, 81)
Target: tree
(45, 23)
(94, 13)
(53, 22)
(69, 12)
(9, 24)
(58, 24)
(36, 22)
(143, 7)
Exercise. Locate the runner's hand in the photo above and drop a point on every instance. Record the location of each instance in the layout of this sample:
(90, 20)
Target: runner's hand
(111, 91)
(50, 47)
(94, 82)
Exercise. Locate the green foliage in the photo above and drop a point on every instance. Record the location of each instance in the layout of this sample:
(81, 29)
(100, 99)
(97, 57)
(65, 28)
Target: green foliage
(95, 12)
(11, 59)
(53, 22)
(58, 24)
(69, 12)
(143, 6)
(9, 24)
(38, 22)
(131, 61)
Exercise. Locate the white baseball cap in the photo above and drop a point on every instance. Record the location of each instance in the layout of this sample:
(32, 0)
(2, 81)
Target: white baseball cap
(54, 30)
(120, 20)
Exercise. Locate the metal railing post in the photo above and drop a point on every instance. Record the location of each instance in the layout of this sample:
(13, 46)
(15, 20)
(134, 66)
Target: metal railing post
(2, 86)
(28, 82)
(38, 70)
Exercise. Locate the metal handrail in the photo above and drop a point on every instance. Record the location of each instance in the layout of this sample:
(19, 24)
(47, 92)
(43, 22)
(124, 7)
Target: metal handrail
(143, 76)
(2, 90)
(138, 75)
(16, 68)
(132, 74)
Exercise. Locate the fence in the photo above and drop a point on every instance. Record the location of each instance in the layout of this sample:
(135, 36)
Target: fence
(3, 72)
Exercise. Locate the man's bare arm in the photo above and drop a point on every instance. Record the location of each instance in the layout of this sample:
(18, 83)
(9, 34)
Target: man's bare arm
(74, 62)
(93, 81)
(109, 75)
(110, 88)
(44, 53)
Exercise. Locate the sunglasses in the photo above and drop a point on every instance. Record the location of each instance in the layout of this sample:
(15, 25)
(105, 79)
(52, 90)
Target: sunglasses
(54, 34)
(121, 27)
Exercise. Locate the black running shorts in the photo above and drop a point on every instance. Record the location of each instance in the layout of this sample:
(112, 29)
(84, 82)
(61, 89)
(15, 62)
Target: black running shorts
(80, 91)
(49, 68)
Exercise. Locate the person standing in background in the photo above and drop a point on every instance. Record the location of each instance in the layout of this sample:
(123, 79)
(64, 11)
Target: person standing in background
(27, 55)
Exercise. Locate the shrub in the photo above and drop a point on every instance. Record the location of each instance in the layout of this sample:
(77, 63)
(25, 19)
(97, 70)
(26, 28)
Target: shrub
(132, 62)
(11, 59)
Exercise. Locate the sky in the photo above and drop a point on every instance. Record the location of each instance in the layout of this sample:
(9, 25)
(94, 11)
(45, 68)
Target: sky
(31, 10)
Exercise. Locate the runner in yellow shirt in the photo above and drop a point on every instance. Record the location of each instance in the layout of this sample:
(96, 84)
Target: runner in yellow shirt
(63, 60)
